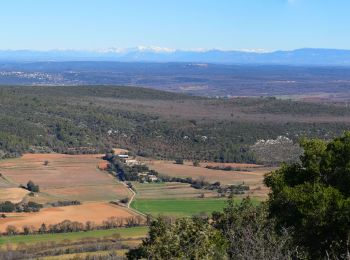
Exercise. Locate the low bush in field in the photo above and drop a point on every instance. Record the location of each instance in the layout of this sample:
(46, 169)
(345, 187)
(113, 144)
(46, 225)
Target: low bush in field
(226, 168)
(31, 206)
(65, 203)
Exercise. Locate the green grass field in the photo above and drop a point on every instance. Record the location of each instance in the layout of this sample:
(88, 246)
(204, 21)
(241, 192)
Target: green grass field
(125, 233)
(178, 207)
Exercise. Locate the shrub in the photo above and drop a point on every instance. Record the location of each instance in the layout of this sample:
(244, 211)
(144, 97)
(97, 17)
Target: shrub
(196, 163)
(32, 187)
(125, 200)
(179, 161)
(65, 203)
(7, 206)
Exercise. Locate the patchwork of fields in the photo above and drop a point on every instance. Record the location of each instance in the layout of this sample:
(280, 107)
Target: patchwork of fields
(83, 177)
(61, 178)
(65, 177)
(172, 190)
(175, 199)
(251, 174)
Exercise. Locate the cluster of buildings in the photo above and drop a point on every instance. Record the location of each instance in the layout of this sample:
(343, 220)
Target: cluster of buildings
(128, 161)
(145, 176)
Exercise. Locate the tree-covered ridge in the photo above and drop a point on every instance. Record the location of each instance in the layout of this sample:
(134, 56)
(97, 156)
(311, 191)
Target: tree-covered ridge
(153, 123)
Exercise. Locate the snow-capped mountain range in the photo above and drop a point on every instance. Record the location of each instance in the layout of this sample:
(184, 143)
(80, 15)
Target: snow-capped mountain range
(307, 56)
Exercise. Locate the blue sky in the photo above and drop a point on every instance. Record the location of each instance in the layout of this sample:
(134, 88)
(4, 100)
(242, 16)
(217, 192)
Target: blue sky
(178, 24)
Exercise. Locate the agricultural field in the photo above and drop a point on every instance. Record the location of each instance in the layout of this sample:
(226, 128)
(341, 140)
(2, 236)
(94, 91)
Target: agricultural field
(252, 175)
(61, 178)
(69, 245)
(180, 207)
(15, 195)
(4, 183)
(176, 199)
(180, 199)
(173, 190)
(65, 177)
(96, 212)
(125, 233)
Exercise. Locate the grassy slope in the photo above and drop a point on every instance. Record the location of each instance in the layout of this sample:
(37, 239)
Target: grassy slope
(124, 232)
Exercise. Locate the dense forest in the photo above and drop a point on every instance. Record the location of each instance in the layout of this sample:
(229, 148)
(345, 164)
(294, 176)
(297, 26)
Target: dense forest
(90, 119)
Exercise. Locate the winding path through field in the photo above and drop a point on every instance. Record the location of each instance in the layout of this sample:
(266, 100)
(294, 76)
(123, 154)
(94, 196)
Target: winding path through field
(131, 199)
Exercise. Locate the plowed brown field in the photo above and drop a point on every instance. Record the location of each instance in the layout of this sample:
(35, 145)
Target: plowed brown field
(65, 177)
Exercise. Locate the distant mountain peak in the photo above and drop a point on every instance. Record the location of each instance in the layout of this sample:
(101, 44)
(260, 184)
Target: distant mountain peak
(154, 49)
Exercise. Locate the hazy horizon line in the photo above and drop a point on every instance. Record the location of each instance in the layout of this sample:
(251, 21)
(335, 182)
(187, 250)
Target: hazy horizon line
(166, 49)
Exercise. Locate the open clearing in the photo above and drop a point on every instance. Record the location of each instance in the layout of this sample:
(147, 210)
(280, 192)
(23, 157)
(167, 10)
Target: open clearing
(254, 177)
(178, 207)
(65, 177)
(96, 212)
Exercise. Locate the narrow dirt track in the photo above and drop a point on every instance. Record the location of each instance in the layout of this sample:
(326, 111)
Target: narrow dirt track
(131, 199)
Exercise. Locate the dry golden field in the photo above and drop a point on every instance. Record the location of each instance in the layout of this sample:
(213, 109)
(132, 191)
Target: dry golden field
(15, 195)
